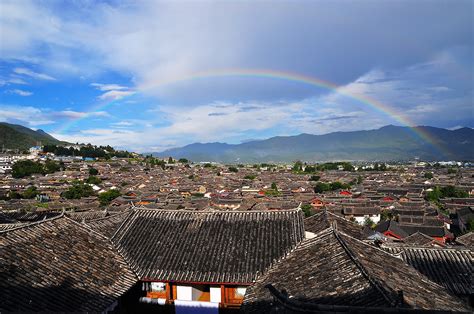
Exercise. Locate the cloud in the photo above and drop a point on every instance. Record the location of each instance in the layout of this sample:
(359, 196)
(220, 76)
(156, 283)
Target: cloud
(115, 95)
(20, 92)
(70, 114)
(32, 74)
(25, 114)
(108, 87)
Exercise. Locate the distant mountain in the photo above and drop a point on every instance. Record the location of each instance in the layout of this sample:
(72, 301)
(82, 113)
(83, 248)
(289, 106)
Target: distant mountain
(387, 143)
(14, 136)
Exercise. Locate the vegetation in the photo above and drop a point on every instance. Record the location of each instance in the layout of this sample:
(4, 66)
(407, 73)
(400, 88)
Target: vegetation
(107, 197)
(233, 169)
(88, 150)
(15, 136)
(30, 192)
(93, 180)
(314, 178)
(321, 187)
(307, 210)
(183, 161)
(25, 168)
(93, 171)
(428, 175)
(250, 177)
(369, 222)
(78, 190)
(273, 191)
(446, 191)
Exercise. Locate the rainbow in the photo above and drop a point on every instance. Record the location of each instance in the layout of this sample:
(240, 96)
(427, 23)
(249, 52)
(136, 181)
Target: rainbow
(278, 75)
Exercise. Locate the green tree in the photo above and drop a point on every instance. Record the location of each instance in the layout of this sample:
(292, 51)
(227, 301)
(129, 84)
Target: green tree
(298, 166)
(183, 161)
(250, 177)
(307, 210)
(30, 192)
(428, 175)
(51, 166)
(107, 197)
(274, 187)
(369, 222)
(314, 178)
(233, 169)
(93, 171)
(78, 190)
(25, 168)
(93, 180)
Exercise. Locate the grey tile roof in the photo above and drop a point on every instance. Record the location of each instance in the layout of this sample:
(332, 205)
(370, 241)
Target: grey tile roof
(57, 265)
(336, 269)
(451, 268)
(230, 246)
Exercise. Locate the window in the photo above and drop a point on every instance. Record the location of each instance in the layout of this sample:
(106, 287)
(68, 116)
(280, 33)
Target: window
(158, 286)
(240, 292)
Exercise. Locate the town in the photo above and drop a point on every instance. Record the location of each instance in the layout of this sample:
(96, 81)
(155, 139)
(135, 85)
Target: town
(126, 232)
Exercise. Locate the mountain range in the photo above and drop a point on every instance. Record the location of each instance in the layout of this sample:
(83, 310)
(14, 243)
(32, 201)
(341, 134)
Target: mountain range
(388, 143)
(14, 136)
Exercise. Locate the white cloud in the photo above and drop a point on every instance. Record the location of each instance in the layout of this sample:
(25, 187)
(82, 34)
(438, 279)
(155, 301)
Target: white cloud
(108, 87)
(32, 74)
(20, 92)
(27, 115)
(115, 95)
(70, 114)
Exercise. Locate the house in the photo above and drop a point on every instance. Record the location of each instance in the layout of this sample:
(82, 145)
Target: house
(57, 265)
(334, 272)
(391, 229)
(362, 214)
(189, 259)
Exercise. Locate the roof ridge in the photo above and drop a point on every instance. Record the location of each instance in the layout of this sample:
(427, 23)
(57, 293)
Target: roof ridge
(133, 210)
(363, 271)
(34, 223)
(86, 227)
(294, 210)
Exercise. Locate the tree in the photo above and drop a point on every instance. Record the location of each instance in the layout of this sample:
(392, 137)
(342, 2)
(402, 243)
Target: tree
(107, 197)
(51, 166)
(30, 192)
(314, 178)
(274, 187)
(307, 210)
(250, 177)
(233, 169)
(369, 222)
(25, 168)
(298, 166)
(170, 160)
(183, 161)
(93, 171)
(93, 180)
(428, 175)
(78, 190)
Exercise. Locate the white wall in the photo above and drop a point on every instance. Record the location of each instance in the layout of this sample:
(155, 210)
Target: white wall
(215, 294)
(184, 293)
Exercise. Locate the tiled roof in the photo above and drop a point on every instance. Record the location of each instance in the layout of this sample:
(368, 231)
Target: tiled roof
(231, 246)
(323, 220)
(336, 269)
(451, 268)
(57, 265)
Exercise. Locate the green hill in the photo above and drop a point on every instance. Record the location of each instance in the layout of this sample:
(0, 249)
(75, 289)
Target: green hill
(14, 136)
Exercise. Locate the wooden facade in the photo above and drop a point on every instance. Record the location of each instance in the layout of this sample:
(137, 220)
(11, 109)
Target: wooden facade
(228, 295)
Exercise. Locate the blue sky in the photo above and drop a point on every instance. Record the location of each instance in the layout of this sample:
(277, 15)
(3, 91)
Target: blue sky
(91, 71)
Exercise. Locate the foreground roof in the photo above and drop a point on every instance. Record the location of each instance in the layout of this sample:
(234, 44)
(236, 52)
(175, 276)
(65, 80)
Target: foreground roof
(57, 265)
(336, 269)
(451, 268)
(219, 247)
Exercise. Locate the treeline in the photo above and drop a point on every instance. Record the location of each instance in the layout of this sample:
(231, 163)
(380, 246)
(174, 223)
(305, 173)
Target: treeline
(88, 150)
(300, 167)
(321, 187)
(25, 168)
(445, 191)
